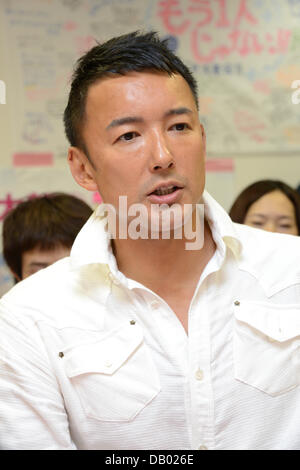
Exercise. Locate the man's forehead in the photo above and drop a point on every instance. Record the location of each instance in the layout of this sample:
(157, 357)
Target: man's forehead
(135, 85)
(134, 75)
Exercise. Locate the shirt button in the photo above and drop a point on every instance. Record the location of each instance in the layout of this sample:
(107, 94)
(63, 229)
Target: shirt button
(202, 447)
(236, 302)
(199, 374)
(108, 364)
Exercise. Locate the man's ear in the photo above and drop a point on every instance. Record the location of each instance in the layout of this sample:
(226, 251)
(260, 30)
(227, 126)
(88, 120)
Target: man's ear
(81, 169)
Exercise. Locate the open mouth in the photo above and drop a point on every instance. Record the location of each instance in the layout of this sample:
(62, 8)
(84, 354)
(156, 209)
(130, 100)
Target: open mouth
(165, 191)
(169, 193)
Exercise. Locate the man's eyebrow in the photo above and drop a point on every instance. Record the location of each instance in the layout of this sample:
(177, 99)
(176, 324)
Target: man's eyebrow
(124, 120)
(137, 119)
(178, 111)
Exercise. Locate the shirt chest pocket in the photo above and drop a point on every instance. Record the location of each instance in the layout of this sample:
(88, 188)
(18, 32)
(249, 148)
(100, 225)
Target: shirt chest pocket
(115, 377)
(267, 346)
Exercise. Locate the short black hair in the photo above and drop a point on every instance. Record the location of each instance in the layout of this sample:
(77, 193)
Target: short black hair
(44, 222)
(133, 52)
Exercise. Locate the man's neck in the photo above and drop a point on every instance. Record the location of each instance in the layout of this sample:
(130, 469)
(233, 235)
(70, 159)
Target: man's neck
(163, 265)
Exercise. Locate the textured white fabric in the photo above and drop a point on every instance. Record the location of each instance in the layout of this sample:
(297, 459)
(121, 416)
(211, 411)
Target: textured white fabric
(92, 360)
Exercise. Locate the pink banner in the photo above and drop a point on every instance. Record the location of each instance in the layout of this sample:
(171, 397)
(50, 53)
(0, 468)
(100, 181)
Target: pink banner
(33, 159)
(225, 165)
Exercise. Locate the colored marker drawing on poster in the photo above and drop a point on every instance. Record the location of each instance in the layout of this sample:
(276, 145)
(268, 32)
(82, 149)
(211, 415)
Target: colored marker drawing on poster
(239, 38)
(9, 202)
(234, 47)
(237, 49)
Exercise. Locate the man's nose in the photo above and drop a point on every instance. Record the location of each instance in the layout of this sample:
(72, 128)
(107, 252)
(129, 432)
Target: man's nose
(161, 154)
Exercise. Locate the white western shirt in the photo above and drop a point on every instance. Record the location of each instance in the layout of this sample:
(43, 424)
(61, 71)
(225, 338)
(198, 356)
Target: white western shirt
(92, 360)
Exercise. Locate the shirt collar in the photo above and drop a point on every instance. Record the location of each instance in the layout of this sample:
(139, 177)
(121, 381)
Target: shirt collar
(92, 244)
(222, 228)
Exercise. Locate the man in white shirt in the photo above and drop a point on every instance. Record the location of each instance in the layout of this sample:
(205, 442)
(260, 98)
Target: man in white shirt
(140, 343)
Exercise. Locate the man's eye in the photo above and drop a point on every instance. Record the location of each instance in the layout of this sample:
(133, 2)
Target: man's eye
(181, 126)
(128, 136)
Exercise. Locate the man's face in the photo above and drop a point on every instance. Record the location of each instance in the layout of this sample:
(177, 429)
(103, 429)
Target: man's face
(145, 140)
(36, 259)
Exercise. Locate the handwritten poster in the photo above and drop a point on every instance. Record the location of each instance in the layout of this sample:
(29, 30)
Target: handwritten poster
(244, 53)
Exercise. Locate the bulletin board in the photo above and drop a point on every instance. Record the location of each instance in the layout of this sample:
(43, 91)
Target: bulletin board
(245, 54)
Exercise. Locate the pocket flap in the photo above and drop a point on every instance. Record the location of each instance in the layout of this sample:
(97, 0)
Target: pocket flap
(279, 322)
(103, 356)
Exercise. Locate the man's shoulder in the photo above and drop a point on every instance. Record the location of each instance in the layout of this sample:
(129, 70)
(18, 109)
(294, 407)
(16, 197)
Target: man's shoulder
(272, 257)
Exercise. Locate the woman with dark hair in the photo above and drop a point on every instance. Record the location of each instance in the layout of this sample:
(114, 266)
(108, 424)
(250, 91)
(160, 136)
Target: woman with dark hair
(270, 205)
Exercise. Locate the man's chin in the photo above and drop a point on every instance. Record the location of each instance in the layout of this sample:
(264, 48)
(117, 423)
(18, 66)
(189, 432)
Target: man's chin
(149, 221)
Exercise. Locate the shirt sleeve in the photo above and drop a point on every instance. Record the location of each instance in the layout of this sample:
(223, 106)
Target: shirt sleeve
(32, 412)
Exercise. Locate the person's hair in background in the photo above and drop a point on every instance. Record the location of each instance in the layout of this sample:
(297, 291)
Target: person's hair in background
(39, 231)
(134, 52)
(270, 205)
